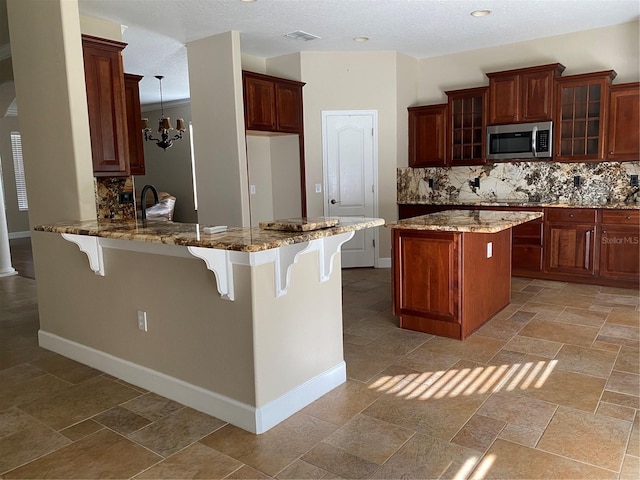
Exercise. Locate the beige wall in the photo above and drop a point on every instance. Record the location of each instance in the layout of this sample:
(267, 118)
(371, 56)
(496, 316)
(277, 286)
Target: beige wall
(285, 176)
(100, 28)
(611, 48)
(407, 92)
(17, 221)
(192, 333)
(259, 164)
(170, 170)
(352, 81)
(215, 83)
(57, 160)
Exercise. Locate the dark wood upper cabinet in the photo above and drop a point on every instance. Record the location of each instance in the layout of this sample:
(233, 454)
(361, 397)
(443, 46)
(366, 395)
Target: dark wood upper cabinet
(272, 104)
(623, 125)
(581, 116)
(523, 95)
(428, 136)
(104, 78)
(288, 107)
(466, 126)
(134, 123)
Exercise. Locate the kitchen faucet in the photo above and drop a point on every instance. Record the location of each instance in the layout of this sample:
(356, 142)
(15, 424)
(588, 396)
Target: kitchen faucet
(142, 199)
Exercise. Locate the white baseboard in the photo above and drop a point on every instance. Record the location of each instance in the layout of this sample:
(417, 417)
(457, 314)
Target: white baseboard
(247, 417)
(384, 262)
(13, 235)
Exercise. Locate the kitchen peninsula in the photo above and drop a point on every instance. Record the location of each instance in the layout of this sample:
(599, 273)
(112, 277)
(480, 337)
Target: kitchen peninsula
(452, 269)
(251, 344)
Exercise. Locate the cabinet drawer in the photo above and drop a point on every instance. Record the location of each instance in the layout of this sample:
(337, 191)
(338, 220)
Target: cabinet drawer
(621, 217)
(570, 215)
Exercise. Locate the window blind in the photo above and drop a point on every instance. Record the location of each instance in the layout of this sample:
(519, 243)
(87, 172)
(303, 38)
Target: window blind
(18, 168)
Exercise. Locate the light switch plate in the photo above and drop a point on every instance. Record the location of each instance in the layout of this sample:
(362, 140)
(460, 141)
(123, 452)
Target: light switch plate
(252, 188)
(318, 188)
(142, 320)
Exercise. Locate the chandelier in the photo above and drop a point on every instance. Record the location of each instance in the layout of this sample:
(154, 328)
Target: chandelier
(164, 126)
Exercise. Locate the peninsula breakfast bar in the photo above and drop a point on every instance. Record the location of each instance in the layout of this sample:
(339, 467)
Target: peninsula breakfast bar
(251, 344)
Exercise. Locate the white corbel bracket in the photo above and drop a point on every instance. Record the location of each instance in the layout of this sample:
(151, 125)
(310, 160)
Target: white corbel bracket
(91, 246)
(221, 262)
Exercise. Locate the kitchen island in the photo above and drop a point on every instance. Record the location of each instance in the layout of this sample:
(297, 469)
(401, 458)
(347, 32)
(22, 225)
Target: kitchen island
(250, 336)
(452, 269)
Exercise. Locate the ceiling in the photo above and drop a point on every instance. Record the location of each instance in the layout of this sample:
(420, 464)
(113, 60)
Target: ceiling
(157, 30)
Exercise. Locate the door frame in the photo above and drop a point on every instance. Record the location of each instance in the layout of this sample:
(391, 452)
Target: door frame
(325, 160)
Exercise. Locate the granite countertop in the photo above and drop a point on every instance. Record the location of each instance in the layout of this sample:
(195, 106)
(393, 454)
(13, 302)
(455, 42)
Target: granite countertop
(525, 203)
(477, 221)
(243, 239)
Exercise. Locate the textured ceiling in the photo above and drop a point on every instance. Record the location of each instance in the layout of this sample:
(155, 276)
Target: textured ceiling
(157, 30)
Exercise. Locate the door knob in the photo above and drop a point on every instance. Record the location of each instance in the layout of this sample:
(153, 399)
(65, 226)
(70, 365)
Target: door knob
(333, 201)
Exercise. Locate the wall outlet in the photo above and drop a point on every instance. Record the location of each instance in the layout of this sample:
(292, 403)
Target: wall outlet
(577, 181)
(125, 197)
(318, 188)
(431, 183)
(252, 189)
(633, 181)
(489, 249)
(476, 182)
(142, 320)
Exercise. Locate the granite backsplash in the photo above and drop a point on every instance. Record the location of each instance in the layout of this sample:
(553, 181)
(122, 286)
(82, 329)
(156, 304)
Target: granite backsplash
(547, 182)
(107, 191)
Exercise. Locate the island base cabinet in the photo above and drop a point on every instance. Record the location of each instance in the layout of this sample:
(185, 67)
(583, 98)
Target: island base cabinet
(449, 284)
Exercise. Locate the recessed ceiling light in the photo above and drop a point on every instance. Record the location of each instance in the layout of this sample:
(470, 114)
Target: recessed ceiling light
(480, 13)
(361, 39)
(248, 1)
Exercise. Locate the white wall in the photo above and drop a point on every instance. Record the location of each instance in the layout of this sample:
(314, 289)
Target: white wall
(170, 170)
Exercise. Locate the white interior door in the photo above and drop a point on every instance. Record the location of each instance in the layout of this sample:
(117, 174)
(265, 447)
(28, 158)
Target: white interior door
(350, 161)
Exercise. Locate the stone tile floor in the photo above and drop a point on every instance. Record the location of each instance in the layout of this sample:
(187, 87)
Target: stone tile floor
(549, 388)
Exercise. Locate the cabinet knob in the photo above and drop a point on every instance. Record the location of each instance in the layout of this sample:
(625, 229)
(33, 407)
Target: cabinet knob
(610, 153)
(628, 217)
(571, 215)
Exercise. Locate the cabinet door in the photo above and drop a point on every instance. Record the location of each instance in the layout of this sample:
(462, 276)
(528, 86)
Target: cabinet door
(537, 96)
(426, 275)
(259, 104)
(620, 252)
(623, 133)
(134, 123)
(466, 126)
(427, 136)
(504, 99)
(104, 79)
(569, 248)
(288, 107)
(581, 107)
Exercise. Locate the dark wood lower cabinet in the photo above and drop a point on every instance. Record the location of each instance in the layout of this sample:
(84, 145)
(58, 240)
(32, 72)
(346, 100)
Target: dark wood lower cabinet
(570, 249)
(444, 284)
(620, 245)
(580, 245)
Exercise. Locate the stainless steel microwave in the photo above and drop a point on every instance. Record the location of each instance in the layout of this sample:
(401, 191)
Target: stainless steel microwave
(520, 141)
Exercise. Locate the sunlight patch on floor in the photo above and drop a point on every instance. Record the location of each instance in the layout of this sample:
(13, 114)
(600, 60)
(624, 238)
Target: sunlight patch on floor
(466, 381)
